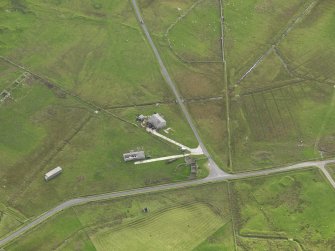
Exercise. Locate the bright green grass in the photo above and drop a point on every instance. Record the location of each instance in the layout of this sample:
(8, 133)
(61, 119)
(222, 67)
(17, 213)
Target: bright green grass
(197, 36)
(309, 47)
(269, 73)
(251, 27)
(193, 80)
(180, 130)
(269, 125)
(96, 50)
(10, 219)
(159, 15)
(197, 213)
(104, 59)
(220, 240)
(19, 135)
(93, 163)
(8, 223)
(180, 228)
(44, 129)
(80, 241)
(31, 129)
(210, 120)
(294, 205)
(58, 227)
(256, 244)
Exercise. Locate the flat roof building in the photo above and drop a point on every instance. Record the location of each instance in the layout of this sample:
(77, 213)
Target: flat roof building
(53, 173)
(157, 121)
(139, 155)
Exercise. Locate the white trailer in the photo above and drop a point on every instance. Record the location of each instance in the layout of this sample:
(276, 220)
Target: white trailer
(53, 173)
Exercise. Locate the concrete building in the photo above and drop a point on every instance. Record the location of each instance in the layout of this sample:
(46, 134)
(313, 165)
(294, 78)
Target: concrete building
(53, 173)
(157, 121)
(139, 155)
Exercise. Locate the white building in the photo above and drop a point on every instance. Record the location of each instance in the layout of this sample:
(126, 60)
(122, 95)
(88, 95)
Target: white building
(53, 173)
(157, 121)
(140, 155)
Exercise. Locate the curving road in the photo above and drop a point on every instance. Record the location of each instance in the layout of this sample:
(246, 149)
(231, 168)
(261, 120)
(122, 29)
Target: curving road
(214, 170)
(216, 174)
(107, 196)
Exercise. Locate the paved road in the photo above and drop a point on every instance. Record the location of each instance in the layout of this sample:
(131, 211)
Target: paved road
(215, 171)
(216, 174)
(328, 176)
(107, 196)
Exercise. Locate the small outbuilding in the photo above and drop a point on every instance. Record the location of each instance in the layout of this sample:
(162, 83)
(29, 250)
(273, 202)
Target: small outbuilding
(157, 121)
(53, 173)
(139, 155)
(140, 118)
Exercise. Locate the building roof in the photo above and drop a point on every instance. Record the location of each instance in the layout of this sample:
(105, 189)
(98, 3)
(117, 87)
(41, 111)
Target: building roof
(134, 155)
(54, 171)
(157, 120)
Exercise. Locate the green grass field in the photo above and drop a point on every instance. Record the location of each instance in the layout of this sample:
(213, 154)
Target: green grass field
(280, 97)
(331, 170)
(281, 112)
(210, 117)
(10, 219)
(251, 27)
(196, 37)
(93, 163)
(98, 52)
(190, 223)
(95, 51)
(294, 206)
(289, 211)
(161, 14)
(177, 220)
(180, 131)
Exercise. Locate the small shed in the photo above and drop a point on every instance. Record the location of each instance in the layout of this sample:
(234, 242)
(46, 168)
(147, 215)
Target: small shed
(140, 118)
(53, 173)
(157, 121)
(139, 155)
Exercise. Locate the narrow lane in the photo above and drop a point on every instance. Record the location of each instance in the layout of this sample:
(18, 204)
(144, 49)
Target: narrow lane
(215, 170)
(107, 196)
(216, 174)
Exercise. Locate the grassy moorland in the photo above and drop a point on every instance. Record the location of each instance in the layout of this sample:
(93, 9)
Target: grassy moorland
(194, 32)
(196, 37)
(282, 110)
(93, 49)
(251, 27)
(179, 129)
(279, 114)
(177, 220)
(296, 207)
(286, 124)
(161, 14)
(331, 170)
(289, 211)
(39, 134)
(309, 48)
(210, 117)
